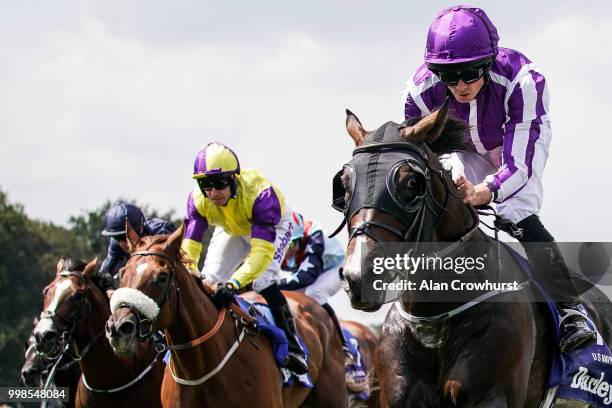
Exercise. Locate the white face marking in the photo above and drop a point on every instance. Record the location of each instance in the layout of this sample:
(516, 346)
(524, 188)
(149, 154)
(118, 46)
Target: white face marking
(61, 290)
(141, 268)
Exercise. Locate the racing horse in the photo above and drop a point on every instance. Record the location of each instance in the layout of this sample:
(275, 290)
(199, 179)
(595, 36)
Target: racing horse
(216, 359)
(36, 370)
(367, 347)
(446, 353)
(74, 315)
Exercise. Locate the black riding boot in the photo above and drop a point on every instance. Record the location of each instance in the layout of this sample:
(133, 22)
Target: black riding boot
(345, 347)
(555, 276)
(296, 360)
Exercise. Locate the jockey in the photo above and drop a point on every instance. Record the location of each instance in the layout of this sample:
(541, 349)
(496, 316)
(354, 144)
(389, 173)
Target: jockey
(313, 263)
(114, 227)
(504, 98)
(253, 229)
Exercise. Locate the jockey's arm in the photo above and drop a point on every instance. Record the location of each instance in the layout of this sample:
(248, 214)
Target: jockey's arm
(267, 212)
(116, 257)
(195, 227)
(526, 121)
(311, 266)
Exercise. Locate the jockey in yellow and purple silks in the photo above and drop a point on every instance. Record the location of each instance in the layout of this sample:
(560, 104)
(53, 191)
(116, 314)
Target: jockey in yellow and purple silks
(253, 230)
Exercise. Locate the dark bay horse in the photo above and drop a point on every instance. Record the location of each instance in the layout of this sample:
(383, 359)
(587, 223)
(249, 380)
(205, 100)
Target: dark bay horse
(488, 354)
(215, 361)
(74, 316)
(37, 368)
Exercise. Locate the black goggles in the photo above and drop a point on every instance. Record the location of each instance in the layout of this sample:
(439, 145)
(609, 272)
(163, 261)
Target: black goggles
(467, 75)
(218, 183)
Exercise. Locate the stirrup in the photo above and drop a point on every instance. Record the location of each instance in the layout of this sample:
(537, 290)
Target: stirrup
(296, 363)
(575, 334)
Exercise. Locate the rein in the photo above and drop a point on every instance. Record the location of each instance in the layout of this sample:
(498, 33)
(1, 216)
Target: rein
(240, 318)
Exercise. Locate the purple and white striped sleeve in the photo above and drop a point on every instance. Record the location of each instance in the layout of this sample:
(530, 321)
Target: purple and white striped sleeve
(266, 214)
(527, 110)
(423, 94)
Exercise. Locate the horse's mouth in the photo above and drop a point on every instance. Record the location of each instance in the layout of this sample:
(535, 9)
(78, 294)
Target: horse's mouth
(358, 304)
(124, 346)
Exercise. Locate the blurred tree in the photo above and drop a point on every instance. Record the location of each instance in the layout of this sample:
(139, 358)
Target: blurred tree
(29, 251)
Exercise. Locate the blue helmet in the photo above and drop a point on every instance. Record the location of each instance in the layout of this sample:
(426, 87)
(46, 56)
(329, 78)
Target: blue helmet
(114, 220)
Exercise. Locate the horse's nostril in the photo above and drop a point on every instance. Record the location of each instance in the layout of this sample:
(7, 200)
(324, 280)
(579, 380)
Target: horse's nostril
(49, 336)
(127, 328)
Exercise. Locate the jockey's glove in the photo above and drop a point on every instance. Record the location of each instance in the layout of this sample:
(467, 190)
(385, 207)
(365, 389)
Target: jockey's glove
(224, 296)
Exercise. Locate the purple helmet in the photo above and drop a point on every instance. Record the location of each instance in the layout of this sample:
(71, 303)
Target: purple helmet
(461, 34)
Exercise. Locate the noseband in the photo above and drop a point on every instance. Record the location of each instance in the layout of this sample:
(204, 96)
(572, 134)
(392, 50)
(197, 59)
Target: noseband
(145, 325)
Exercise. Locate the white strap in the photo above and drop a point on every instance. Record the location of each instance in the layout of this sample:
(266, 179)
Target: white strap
(214, 372)
(457, 310)
(123, 387)
(550, 397)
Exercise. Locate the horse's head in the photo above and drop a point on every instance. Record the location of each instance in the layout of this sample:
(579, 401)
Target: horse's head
(34, 366)
(146, 299)
(395, 189)
(65, 301)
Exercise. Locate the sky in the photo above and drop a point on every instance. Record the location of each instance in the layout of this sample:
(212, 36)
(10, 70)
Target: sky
(101, 100)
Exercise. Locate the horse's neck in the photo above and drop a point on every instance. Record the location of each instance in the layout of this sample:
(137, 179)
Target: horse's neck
(478, 245)
(196, 315)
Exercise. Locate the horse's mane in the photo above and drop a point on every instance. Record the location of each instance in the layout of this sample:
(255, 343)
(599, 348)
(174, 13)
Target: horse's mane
(452, 138)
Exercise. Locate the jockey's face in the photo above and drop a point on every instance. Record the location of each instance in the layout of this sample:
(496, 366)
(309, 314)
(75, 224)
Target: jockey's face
(219, 197)
(463, 92)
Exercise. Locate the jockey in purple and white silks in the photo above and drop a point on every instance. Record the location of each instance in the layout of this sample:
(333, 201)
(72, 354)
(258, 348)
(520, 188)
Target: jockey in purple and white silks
(503, 97)
(312, 266)
(252, 233)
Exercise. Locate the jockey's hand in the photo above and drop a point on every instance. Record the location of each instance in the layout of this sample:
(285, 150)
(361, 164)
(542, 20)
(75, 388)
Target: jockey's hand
(107, 281)
(224, 296)
(473, 195)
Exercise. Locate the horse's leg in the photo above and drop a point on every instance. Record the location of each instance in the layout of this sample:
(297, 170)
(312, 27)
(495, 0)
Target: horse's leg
(490, 364)
(401, 376)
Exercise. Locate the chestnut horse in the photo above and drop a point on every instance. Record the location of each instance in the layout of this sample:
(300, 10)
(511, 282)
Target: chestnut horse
(74, 314)
(433, 354)
(215, 359)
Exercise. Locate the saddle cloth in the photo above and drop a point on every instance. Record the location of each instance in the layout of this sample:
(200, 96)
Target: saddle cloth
(356, 369)
(278, 339)
(582, 375)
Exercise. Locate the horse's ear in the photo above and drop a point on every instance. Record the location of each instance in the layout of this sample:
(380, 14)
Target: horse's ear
(90, 268)
(428, 129)
(355, 129)
(173, 243)
(60, 265)
(133, 238)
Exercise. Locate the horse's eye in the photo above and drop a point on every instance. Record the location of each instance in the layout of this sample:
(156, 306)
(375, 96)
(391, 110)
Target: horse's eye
(162, 278)
(414, 182)
(77, 297)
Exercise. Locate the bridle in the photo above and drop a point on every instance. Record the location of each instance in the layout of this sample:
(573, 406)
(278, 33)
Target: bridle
(65, 339)
(144, 324)
(244, 324)
(422, 225)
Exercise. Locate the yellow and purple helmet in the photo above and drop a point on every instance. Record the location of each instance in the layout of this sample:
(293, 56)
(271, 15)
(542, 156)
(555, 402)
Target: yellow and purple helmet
(215, 159)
